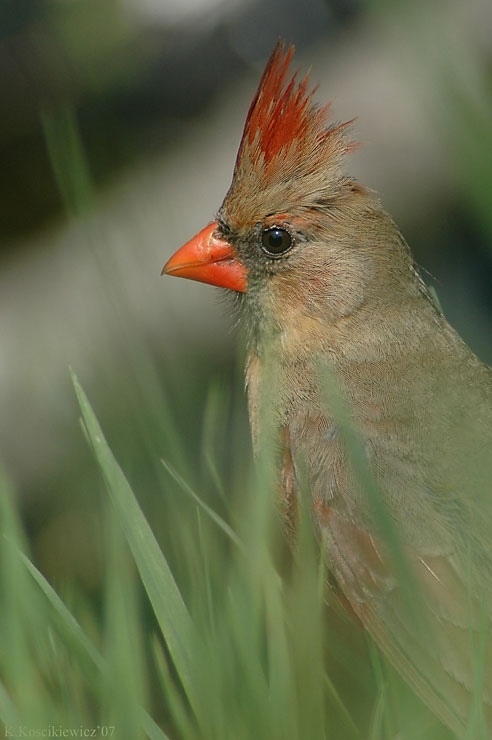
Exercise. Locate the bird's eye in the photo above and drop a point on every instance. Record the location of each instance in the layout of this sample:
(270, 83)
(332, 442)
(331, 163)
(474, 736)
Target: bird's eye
(276, 241)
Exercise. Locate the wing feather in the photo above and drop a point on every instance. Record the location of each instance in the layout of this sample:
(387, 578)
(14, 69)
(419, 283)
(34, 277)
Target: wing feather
(435, 652)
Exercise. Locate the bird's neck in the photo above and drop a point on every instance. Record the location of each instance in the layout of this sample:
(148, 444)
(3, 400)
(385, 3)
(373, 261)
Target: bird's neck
(367, 347)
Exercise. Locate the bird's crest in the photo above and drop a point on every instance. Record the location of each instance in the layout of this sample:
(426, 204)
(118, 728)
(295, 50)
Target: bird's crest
(282, 112)
(286, 136)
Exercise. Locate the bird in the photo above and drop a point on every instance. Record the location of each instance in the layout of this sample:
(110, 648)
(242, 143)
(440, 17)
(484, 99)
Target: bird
(381, 411)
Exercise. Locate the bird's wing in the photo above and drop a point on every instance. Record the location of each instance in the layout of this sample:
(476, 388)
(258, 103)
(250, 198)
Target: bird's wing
(429, 628)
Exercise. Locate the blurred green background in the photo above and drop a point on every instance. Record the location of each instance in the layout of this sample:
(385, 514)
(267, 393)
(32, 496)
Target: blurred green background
(119, 125)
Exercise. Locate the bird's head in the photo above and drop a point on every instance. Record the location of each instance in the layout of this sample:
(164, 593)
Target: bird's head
(293, 229)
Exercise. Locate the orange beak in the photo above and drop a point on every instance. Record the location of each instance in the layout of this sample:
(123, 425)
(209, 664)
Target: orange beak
(208, 259)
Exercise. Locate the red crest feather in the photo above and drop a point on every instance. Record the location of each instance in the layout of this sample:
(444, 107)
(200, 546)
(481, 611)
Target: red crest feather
(286, 139)
(282, 112)
(277, 113)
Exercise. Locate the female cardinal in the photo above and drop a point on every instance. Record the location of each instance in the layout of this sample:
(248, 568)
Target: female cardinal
(331, 297)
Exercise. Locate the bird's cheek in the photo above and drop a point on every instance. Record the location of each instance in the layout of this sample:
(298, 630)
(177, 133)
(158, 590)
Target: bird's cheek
(209, 259)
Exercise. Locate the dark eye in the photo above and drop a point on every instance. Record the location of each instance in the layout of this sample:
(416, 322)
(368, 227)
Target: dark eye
(276, 241)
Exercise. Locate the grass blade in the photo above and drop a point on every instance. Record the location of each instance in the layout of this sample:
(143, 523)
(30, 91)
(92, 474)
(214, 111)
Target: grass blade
(73, 628)
(152, 730)
(196, 498)
(165, 597)
(69, 622)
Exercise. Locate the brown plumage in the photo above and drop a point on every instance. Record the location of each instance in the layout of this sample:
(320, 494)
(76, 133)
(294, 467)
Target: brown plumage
(339, 318)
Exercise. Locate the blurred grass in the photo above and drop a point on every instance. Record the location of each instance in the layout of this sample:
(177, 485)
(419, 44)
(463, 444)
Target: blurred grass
(248, 642)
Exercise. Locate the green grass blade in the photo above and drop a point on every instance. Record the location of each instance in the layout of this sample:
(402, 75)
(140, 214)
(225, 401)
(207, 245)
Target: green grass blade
(173, 698)
(152, 730)
(196, 498)
(125, 687)
(68, 160)
(70, 624)
(73, 628)
(21, 617)
(8, 712)
(351, 728)
(165, 597)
